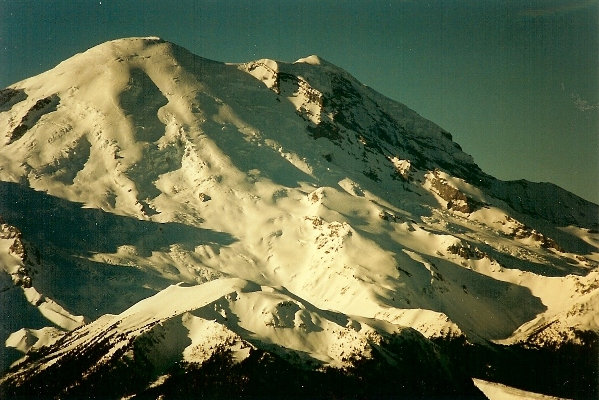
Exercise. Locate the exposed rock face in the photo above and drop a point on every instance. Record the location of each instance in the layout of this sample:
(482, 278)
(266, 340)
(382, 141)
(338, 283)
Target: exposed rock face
(521, 231)
(466, 251)
(456, 200)
(22, 275)
(41, 107)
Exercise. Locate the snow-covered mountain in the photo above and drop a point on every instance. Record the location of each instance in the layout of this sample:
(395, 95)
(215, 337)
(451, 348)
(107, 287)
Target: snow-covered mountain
(175, 225)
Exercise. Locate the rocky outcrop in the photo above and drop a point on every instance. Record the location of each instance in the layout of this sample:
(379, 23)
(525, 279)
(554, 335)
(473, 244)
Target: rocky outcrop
(22, 276)
(466, 251)
(456, 200)
(41, 107)
(520, 231)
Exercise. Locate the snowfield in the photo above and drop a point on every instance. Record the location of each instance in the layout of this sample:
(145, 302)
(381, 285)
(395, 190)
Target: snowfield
(173, 216)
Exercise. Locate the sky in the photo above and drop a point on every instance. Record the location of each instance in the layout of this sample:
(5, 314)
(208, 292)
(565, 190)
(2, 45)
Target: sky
(516, 82)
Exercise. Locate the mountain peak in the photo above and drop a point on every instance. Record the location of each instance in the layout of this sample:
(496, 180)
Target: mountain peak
(127, 46)
(147, 39)
(312, 60)
(263, 214)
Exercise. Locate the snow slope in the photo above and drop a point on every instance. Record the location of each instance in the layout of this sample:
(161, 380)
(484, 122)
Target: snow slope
(136, 165)
(496, 391)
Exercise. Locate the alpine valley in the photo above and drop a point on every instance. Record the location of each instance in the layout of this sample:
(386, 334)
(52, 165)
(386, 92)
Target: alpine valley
(176, 227)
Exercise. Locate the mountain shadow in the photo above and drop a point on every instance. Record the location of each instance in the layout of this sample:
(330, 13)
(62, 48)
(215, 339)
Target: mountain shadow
(63, 236)
(141, 101)
(49, 220)
(9, 97)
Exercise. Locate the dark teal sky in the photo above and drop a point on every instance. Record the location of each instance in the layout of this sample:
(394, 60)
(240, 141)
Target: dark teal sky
(515, 82)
